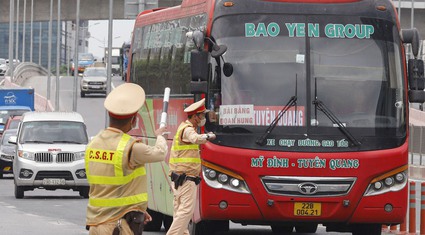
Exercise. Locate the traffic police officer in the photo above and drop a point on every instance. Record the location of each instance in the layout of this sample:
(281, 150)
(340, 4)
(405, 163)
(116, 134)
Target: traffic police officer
(185, 166)
(115, 167)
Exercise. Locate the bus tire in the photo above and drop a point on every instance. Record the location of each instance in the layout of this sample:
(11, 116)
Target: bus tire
(168, 220)
(306, 228)
(156, 223)
(199, 228)
(282, 229)
(366, 229)
(208, 227)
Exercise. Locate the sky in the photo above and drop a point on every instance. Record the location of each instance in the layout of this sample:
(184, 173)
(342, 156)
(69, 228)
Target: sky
(121, 30)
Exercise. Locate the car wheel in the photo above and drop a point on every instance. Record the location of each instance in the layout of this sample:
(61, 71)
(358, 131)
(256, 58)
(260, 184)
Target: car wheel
(82, 94)
(1, 172)
(84, 192)
(19, 192)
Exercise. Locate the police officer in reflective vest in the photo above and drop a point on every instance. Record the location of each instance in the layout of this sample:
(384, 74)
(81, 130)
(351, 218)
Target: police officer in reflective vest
(185, 166)
(115, 167)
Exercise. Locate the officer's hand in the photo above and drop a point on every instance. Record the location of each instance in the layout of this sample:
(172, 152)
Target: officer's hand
(160, 131)
(148, 218)
(211, 135)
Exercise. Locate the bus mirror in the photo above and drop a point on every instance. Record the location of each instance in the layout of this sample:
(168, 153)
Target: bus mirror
(416, 81)
(411, 36)
(228, 69)
(218, 50)
(199, 65)
(198, 87)
(416, 96)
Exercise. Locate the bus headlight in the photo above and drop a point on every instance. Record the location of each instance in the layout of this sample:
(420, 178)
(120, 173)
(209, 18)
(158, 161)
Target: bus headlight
(220, 178)
(392, 181)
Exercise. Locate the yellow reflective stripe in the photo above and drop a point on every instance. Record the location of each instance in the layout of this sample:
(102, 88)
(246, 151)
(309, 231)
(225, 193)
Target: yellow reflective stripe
(185, 160)
(185, 147)
(116, 180)
(119, 152)
(177, 146)
(114, 202)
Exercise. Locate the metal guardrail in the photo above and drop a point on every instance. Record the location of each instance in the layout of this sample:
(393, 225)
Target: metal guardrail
(27, 69)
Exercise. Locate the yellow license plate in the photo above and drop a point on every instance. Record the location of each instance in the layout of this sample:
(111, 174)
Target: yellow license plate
(307, 208)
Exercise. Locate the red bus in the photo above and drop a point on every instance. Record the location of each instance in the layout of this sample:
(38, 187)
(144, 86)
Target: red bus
(309, 101)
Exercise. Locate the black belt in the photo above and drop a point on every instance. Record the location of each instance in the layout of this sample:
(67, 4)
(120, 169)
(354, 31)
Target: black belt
(197, 180)
(179, 179)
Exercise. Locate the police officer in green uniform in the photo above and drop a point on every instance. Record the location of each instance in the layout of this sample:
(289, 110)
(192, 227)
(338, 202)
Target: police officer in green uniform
(115, 167)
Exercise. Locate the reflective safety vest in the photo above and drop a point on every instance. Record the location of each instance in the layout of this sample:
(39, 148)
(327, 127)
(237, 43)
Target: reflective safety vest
(116, 181)
(184, 157)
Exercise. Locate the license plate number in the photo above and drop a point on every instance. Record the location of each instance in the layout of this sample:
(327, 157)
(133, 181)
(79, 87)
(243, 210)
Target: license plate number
(307, 208)
(95, 87)
(53, 181)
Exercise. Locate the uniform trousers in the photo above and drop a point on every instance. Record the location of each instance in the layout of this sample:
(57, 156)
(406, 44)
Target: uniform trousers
(108, 227)
(184, 206)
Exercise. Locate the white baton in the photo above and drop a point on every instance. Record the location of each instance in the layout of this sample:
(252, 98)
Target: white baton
(163, 121)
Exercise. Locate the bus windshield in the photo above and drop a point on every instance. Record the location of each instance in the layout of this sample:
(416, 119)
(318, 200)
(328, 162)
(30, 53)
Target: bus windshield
(352, 65)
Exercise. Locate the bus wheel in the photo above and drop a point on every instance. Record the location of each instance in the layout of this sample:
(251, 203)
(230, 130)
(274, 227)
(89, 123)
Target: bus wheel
(156, 223)
(208, 227)
(168, 220)
(366, 229)
(282, 228)
(306, 228)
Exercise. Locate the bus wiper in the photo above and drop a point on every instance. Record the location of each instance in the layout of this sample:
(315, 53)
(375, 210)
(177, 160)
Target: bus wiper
(292, 102)
(322, 107)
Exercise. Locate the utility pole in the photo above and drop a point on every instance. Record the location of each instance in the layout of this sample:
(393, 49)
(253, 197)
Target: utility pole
(11, 16)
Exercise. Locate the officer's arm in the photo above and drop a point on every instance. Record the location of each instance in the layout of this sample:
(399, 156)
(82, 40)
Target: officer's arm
(142, 153)
(190, 135)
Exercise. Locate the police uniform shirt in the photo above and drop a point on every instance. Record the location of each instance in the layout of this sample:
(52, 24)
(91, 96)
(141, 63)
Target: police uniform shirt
(191, 136)
(140, 154)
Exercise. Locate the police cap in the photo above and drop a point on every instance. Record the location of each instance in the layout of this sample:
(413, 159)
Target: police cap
(125, 100)
(197, 107)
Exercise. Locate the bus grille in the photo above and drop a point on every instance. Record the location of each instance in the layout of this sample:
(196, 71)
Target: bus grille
(308, 186)
(43, 157)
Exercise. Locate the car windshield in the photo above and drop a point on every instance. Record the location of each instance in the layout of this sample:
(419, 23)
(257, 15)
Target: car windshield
(95, 73)
(14, 124)
(85, 57)
(6, 136)
(53, 132)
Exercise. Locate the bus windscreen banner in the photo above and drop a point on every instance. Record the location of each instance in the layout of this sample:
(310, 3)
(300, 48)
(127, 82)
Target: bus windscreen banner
(247, 114)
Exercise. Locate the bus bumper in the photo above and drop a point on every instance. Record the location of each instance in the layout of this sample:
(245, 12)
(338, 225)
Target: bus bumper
(227, 205)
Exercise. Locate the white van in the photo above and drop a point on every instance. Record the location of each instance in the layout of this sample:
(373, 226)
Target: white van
(50, 149)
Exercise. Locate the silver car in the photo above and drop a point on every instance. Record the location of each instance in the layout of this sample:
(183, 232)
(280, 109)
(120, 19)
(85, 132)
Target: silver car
(50, 150)
(3, 66)
(7, 151)
(93, 81)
